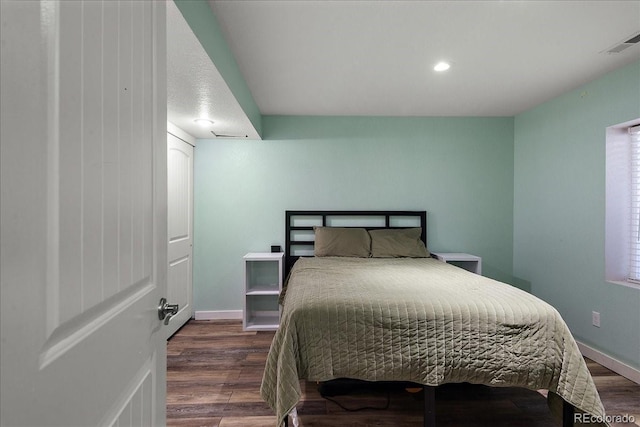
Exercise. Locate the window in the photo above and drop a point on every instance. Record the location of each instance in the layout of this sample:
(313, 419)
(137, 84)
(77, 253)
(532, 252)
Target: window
(622, 223)
(634, 251)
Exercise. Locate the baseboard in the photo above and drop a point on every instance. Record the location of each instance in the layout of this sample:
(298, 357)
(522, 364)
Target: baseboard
(609, 362)
(219, 315)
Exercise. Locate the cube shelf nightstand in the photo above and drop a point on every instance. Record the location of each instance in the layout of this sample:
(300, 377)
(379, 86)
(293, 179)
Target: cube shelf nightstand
(262, 286)
(469, 262)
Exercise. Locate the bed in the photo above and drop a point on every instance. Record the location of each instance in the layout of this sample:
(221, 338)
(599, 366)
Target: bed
(382, 316)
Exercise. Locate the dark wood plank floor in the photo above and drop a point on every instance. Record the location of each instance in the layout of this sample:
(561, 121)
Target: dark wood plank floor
(214, 371)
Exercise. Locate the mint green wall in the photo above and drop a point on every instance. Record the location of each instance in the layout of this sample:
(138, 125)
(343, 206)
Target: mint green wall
(559, 210)
(458, 169)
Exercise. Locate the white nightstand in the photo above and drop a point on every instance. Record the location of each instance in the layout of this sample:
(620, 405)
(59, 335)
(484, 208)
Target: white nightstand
(469, 262)
(263, 283)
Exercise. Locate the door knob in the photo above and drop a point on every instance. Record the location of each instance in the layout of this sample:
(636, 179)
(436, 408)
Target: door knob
(166, 311)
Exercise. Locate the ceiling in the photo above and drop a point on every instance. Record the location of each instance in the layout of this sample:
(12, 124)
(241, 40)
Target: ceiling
(376, 58)
(195, 88)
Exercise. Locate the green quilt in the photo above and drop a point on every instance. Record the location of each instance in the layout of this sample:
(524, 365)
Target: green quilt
(418, 320)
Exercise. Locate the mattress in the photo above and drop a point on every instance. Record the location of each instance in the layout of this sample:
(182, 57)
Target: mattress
(418, 320)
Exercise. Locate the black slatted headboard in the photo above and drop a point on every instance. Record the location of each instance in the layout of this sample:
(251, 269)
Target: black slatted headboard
(299, 239)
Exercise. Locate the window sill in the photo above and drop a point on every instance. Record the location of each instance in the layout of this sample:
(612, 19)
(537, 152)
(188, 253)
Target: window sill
(625, 283)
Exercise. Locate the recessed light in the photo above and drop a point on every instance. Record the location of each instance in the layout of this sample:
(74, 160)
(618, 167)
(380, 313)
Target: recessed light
(442, 66)
(204, 122)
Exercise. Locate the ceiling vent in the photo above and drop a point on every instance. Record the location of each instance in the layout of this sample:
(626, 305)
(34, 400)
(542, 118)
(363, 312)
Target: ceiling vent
(619, 47)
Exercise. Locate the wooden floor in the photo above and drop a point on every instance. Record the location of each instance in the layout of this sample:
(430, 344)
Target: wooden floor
(214, 371)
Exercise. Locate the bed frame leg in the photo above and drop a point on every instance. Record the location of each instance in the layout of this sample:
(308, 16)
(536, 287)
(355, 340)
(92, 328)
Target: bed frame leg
(567, 414)
(429, 406)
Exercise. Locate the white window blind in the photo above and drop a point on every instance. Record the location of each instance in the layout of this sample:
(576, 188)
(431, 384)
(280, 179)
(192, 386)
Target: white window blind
(634, 261)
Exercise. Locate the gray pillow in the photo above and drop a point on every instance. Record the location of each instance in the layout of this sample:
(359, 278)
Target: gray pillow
(340, 241)
(396, 243)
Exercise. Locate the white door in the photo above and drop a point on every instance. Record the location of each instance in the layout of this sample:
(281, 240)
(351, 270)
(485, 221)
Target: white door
(83, 213)
(180, 219)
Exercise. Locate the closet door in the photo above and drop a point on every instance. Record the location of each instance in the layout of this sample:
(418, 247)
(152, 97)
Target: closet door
(83, 256)
(180, 220)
